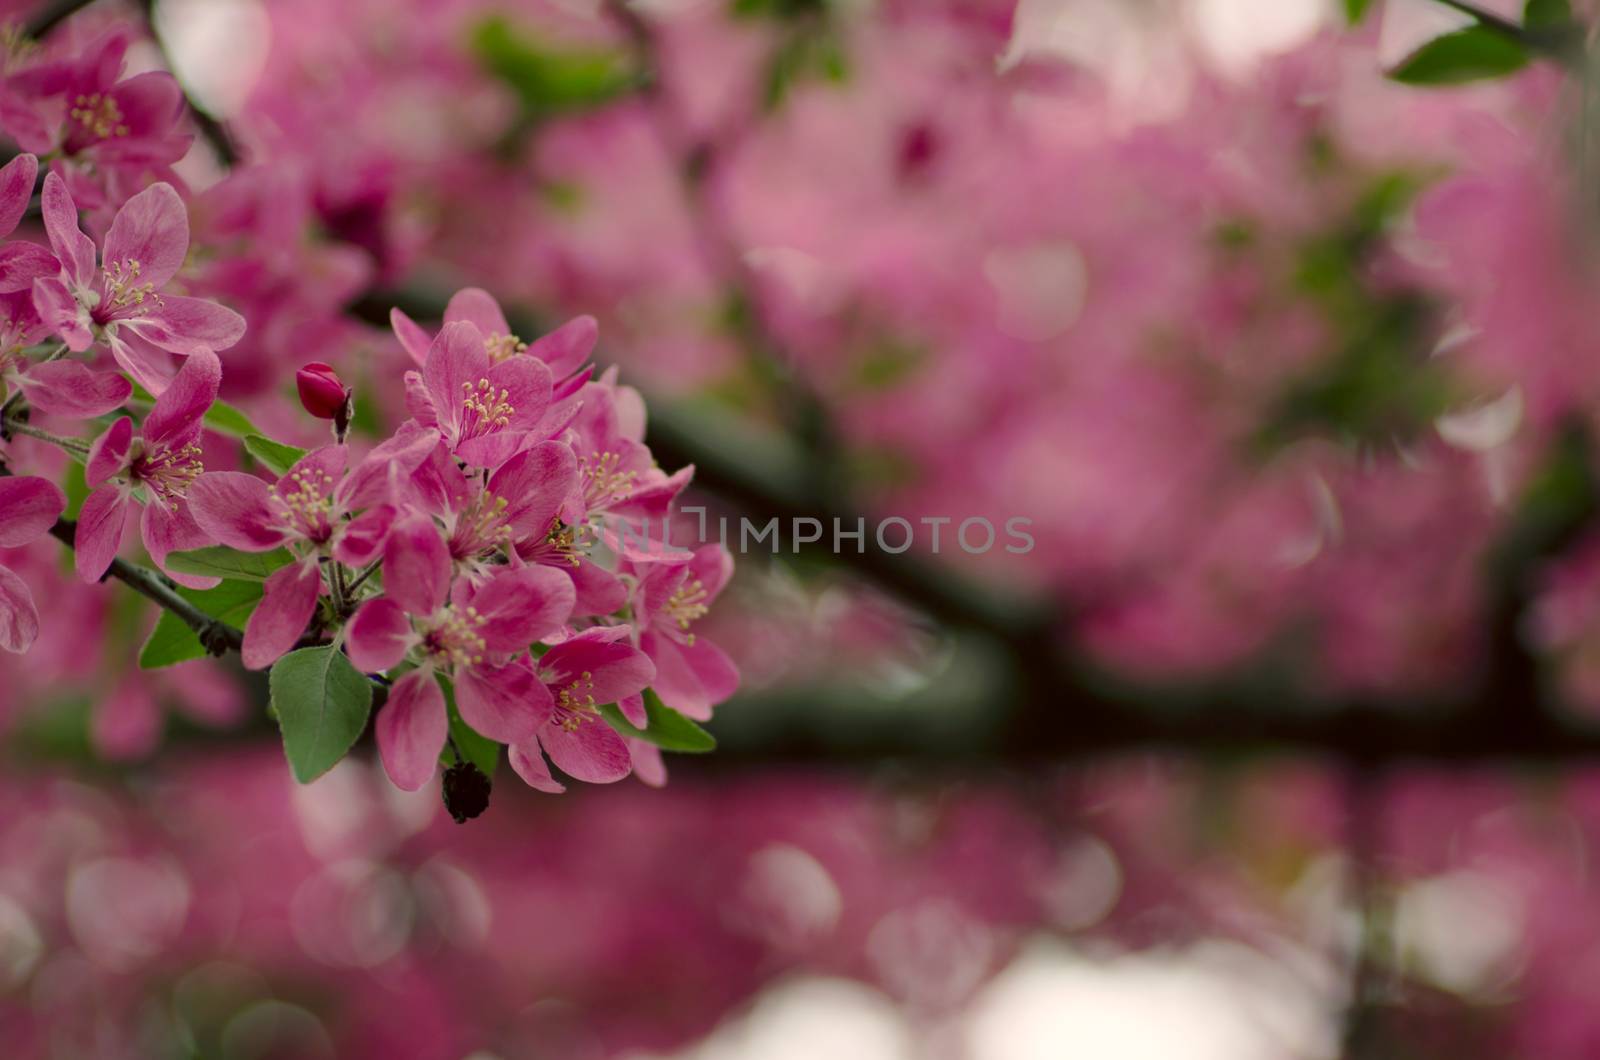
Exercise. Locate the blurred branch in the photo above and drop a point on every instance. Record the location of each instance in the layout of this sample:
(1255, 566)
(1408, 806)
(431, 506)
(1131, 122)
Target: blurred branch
(50, 15)
(211, 130)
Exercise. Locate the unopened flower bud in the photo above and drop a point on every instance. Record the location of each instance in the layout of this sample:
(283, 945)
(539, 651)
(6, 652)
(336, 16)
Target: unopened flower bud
(324, 395)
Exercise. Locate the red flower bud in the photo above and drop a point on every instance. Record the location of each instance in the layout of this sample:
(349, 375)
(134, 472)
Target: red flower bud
(322, 392)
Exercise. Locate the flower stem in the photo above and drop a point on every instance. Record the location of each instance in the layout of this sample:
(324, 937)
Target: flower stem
(72, 445)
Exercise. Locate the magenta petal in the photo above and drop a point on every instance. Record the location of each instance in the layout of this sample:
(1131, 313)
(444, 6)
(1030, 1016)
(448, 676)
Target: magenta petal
(174, 530)
(597, 663)
(22, 264)
(288, 600)
(490, 450)
(411, 729)
(419, 403)
(149, 237)
(73, 249)
(108, 454)
(534, 483)
(590, 751)
(62, 314)
(632, 708)
(526, 383)
(236, 510)
(378, 636)
(175, 419)
(19, 619)
(152, 367)
(599, 592)
(188, 325)
(566, 348)
(416, 565)
(412, 338)
(505, 703)
(16, 188)
(477, 306)
(361, 540)
(529, 764)
(456, 362)
(29, 506)
(99, 532)
(521, 605)
(71, 388)
(690, 679)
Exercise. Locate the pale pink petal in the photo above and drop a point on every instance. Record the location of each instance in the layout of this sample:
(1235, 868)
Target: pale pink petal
(566, 348)
(16, 188)
(521, 605)
(378, 636)
(236, 510)
(647, 763)
(19, 619)
(416, 565)
(632, 708)
(72, 388)
(288, 600)
(528, 763)
(490, 450)
(62, 314)
(477, 306)
(419, 403)
(108, 454)
(99, 533)
(412, 338)
(29, 506)
(186, 325)
(73, 249)
(411, 729)
(526, 385)
(361, 540)
(690, 679)
(456, 364)
(504, 703)
(590, 751)
(149, 237)
(167, 530)
(152, 367)
(22, 264)
(175, 419)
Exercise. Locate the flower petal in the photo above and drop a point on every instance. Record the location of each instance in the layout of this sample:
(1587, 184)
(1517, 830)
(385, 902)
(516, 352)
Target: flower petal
(236, 510)
(108, 454)
(526, 383)
(534, 482)
(590, 751)
(378, 635)
(167, 530)
(567, 347)
(19, 619)
(99, 533)
(599, 663)
(478, 307)
(23, 263)
(416, 565)
(62, 314)
(521, 605)
(175, 419)
(689, 678)
(73, 249)
(411, 729)
(16, 188)
(647, 763)
(505, 703)
(288, 600)
(188, 325)
(456, 361)
(72, 388)
(149, 237)
(414, 340)
(360, 541)
(528, 763)
(29, 506)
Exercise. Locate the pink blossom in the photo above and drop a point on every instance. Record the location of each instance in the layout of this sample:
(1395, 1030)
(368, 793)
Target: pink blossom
(563, 350)
(472, 634)
(117, 300)
(692, 674)
(578, 676)
(162, 459)
(29, 506)
(484, 408)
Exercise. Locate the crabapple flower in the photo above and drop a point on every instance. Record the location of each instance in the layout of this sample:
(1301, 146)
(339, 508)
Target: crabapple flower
(162, 460)
(29, 506)
(60, 387)
(564, 350)
(472, 634)
(21, 262)
(578, 677)
(313, 508)
(118, 300)
(692, 674)
(485, 409)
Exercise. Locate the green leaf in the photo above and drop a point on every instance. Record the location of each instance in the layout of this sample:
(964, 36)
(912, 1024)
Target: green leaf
(1470, 54)
(549, 77)
(219, 561)
(172, 641)
(664, 727)
(274, 456)
(75, 488)
(475, 748)
(1356, 10)
(1547, 14)
(321, 702)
